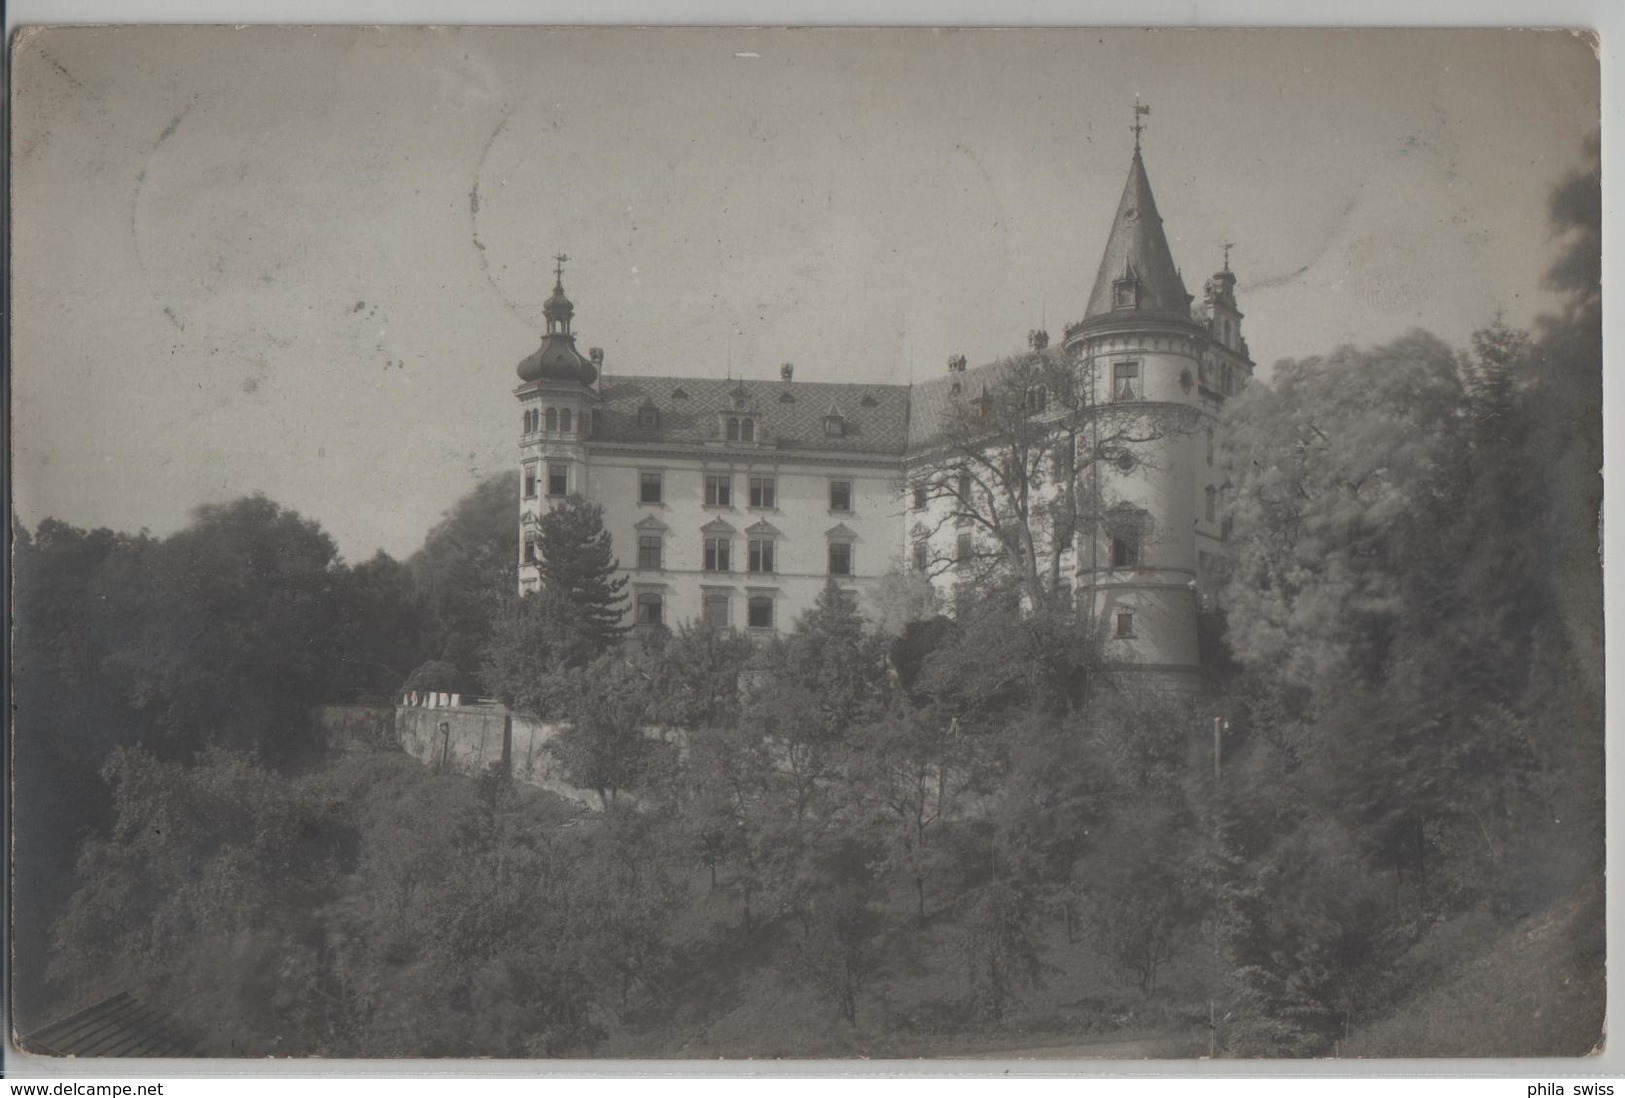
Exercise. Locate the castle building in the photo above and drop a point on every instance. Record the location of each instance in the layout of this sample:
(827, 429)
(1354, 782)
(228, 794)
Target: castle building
(734, 501)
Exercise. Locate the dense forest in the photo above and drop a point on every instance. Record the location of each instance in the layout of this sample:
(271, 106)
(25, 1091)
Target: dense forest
(1382, 833)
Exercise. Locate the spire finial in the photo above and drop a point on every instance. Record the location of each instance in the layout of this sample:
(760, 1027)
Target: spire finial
(558, 269)
(1227, 245)
(1139, 127)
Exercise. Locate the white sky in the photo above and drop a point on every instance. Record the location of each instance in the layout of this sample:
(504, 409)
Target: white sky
(250, 260)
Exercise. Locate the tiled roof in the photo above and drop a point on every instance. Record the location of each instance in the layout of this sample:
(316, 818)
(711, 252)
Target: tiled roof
(788, 415)
(933, 401)
(119, 1026)
(1138, 249)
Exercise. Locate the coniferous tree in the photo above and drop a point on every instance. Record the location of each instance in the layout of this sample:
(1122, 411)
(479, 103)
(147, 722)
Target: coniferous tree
(578, 572)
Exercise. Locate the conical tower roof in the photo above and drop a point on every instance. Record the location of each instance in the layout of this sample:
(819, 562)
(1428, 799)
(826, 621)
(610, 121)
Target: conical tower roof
(1137, 251)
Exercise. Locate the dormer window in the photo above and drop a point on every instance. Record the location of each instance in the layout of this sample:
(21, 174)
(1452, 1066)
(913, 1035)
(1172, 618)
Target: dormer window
(741, 429)
(834, 425)
(1126, 293)
(649, 418)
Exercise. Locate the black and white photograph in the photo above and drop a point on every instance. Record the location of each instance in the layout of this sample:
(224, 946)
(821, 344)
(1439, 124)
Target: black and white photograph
(806, 544)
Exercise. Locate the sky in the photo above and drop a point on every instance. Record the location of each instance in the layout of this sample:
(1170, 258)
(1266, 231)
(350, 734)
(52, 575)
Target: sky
(306, 261)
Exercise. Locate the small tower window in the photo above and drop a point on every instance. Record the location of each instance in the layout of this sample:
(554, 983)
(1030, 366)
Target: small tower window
(558, 480)
(922, 496)
(552, 420)
(1126, 381)
(1210, 446)
(1125, 623)
(530, 548)
(1126, 547)
(964, 549)
(530, 482)
(566, 424)
(922, 555)
(1126, 293)
(1210, 509)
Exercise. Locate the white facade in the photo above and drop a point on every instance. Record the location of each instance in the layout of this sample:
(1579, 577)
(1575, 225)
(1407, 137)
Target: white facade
(735, 502)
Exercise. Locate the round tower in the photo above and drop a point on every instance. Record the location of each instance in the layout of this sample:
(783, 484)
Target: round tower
(1145, 357)
(558, 396)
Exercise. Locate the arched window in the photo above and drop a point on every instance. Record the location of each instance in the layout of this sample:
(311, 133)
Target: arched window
(733, 428)
(552, 420)
(1212, 495)
(747, 430)
(565, 421)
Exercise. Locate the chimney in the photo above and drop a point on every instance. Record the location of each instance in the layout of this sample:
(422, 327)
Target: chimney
(787, 371)
(956, 364)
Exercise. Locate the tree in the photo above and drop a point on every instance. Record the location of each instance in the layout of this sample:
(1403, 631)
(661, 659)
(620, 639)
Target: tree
(1025, 458)
(466, 563)
(579, 573)
(604, 744)
(238, 630)
(382, 625)
(840, 665)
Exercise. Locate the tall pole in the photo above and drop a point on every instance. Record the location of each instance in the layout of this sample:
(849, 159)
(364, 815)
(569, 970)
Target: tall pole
(1218, 728)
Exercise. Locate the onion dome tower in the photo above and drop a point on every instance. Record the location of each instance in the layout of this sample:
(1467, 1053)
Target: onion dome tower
(559, 395)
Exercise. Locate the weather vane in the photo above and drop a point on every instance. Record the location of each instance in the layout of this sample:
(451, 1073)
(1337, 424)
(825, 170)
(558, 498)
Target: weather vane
(1227, 245)
(558, 270)
(1139, 127)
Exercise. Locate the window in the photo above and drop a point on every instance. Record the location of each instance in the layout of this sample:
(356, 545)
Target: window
(1210, 446)
(719, 490)
(714, 609)
(761, 556)
(741, 429)
(1126, 547)
(552, 420)
(1063, 595)
(530, 482)
(1063, 538)
(964, 549)
(922, 496)
(759, 612)
(526, 427)
(1228, 382)
(962, 491)
(762, 491)
(648, 417)
(1125, 293)
(565, 422)
(1211, 494)
(649, 547)
(922, 555)
(651, 608)
(558, 480)
(530, 548)
(1034, 401)
(1227, 527)
(840, 495)
(840, 558)
(1125, 381)
(649, 487)
(1125, 623)
(834, 426)
(717, 554)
